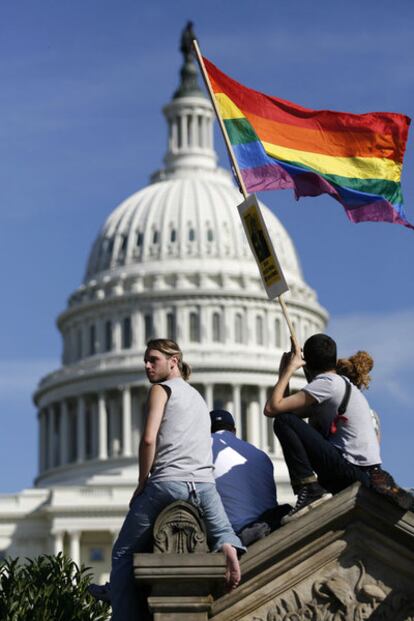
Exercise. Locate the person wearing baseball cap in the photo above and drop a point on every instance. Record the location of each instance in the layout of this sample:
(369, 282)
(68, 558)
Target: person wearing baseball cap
(245, 481)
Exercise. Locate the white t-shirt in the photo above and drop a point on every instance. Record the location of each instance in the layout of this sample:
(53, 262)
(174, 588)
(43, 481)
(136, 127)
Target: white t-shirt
(244, 479)
(355, 437)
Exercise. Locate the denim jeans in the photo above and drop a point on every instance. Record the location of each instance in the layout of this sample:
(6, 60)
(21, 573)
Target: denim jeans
(307, 452)
(136, 536)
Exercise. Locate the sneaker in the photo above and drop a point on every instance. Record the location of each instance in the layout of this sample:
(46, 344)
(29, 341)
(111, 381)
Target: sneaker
(309, 497)
(383, 483)
(100, 592)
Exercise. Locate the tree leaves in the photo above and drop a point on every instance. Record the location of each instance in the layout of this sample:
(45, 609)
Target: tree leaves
(48, 588)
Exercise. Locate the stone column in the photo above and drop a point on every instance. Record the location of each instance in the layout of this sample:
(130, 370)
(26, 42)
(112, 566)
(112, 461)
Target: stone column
(126, 421)
(203, 321)
(194, 125)
(74, 546)
(263, 421)
(254, 423)
(94, 429)
(50, 436)
(64, 433)
(80, 430)
(237, 406)
(57, 542)
(209, 395)
(116, 335)
(102, 428)
(174, 135)
(136, 329)
(184, 133)
(42, 441)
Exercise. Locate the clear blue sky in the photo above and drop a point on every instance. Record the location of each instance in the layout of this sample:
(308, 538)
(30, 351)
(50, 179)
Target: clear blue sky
(82, 85)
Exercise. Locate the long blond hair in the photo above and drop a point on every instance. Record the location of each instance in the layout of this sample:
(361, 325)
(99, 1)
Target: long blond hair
(170, 348)
(356, 368)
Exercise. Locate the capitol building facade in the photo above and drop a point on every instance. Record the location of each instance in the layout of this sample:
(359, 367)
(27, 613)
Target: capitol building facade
(171, 260)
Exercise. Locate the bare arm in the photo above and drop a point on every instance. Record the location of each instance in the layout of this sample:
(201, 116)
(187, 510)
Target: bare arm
(157, 400)
(280, 401)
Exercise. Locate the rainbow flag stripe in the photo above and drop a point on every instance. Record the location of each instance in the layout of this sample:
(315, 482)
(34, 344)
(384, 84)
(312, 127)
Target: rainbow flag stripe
(356, 158)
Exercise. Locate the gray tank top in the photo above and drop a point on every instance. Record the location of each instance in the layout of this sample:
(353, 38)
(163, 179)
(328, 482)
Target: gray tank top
(183, 450)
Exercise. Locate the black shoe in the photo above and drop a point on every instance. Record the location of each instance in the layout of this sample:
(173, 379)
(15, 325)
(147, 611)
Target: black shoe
(383, 483)
(309, 497)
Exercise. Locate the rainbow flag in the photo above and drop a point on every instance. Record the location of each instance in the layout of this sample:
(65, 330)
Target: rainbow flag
(356, 158)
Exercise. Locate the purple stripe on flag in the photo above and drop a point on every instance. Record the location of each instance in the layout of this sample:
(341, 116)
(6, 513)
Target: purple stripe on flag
(381, 211)
(359, 206)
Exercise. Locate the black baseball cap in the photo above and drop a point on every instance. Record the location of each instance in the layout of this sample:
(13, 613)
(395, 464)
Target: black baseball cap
(222, 417)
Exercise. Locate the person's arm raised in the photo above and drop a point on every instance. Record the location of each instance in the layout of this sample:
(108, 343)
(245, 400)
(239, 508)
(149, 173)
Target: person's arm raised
(157, 401)
(279, 401)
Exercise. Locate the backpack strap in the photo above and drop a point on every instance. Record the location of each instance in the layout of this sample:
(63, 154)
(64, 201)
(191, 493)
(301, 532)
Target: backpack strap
(342, 408)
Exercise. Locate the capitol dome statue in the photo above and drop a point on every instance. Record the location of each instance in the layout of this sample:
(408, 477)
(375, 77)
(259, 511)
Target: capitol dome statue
(171, 261)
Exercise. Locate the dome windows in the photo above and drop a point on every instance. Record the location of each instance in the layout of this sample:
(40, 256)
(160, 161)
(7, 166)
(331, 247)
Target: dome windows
(238, 328)
(210, 235)
(201, 130)
(170, 320)
(108, 335)
(194, 327)
(78, 344)
(278, 333)
(140, 239)
(92, 340)
(216, 328)
(126, 333)
(173, 236)
(124, 241)
(191, 234)
(259, 330)
(148, 326)
(155, 237)
(189, 131)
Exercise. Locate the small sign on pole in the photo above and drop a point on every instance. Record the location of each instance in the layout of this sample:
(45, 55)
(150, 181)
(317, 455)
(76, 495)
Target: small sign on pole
(262, 247)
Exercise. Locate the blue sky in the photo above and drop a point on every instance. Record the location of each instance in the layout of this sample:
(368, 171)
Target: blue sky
(82, 86)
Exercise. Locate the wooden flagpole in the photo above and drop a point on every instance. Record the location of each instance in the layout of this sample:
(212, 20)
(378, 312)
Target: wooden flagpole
(237, 171)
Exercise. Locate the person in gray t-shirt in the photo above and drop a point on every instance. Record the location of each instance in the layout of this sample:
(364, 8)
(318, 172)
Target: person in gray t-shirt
(338, 447)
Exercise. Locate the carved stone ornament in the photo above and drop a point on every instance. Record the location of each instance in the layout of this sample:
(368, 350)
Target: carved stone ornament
(180, 529)
(339, 598)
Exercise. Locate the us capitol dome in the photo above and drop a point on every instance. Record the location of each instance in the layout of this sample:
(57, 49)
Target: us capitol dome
(171, 261)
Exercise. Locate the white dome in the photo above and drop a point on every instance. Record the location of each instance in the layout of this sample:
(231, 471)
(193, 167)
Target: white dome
(189, 218)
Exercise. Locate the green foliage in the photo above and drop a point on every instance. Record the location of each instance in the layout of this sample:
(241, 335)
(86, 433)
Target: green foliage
(48, 588)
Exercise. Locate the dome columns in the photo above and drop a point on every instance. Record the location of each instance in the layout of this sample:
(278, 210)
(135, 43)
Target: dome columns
(126, 421)
(96, 426)
(64, 432)
(190, 134)
(74, 546)
(80, 430)
(57, 542)
(102, 427)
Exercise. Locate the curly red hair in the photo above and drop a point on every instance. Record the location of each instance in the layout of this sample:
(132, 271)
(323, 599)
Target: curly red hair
(356, 368)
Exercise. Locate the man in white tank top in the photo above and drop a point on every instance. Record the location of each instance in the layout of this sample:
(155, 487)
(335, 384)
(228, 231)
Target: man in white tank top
(175, 463)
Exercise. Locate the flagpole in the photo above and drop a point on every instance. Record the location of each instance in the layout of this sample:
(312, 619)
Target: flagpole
(237, 169)
(220, 120)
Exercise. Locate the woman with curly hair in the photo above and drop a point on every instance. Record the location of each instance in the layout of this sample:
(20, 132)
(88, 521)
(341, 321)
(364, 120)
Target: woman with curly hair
(339, 447)
(357, 368)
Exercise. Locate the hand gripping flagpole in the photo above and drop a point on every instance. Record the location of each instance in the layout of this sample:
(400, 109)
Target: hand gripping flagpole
(237, 170)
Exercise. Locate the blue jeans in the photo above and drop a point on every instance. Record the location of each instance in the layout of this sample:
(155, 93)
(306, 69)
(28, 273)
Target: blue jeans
(136, 536)
(307, 452)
